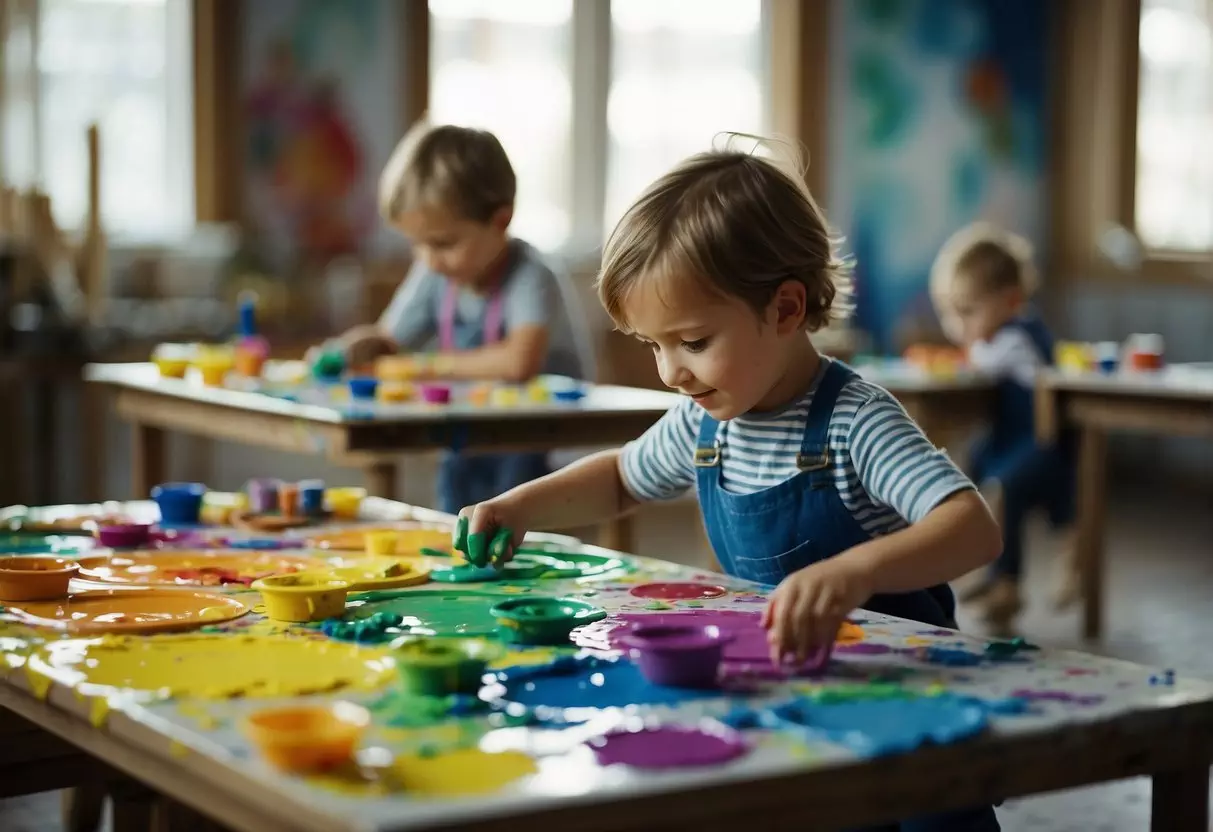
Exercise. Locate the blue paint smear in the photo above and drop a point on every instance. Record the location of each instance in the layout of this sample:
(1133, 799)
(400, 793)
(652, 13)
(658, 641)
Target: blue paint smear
(589, 683)
(875, 728)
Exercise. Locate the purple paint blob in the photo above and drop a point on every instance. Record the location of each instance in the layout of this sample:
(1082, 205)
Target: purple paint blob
(669, 746)
(1057, 696)
(747, 654)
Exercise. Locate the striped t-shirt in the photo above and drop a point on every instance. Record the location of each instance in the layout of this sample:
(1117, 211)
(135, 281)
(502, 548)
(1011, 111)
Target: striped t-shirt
(887, 472)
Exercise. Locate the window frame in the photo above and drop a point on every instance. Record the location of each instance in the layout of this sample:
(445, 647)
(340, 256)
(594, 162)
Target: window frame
(1094, 170)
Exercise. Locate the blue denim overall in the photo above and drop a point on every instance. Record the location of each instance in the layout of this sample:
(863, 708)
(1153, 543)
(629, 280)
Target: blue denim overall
(767, 535)
(466, 479)
(1028, 473)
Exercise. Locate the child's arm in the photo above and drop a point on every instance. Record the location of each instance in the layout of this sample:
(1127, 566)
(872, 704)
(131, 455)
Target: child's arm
(581, 494)
(516, 358)
(656, 466)
(951, 532)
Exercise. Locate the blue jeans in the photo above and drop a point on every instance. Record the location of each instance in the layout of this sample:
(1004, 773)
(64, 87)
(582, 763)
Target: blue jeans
(467, 479)
(1029, 476)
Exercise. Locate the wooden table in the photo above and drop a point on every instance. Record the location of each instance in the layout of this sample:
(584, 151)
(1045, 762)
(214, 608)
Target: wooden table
(373, 438)
(945, 407)
(1176, 402)
(1092, 720)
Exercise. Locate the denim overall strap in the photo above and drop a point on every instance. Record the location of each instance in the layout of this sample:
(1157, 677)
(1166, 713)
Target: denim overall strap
(814, 456)
(446, 318)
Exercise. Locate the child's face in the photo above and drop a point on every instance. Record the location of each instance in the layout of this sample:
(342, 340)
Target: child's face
(715, 350)
(460, 249)
(980, 314)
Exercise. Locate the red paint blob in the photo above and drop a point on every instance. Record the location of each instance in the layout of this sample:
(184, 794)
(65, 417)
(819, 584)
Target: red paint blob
(686, 591)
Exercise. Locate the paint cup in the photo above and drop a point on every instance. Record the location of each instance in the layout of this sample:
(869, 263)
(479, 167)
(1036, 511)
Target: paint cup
(505, 395)
(263, 495)
(435, 393)
(395, 392)
(363, 389)
(574, 394)
(678, 656)
(302, 596)
(124, 535)
(29, 578)
(288, 499)
(180, 503)
(311, 498)
(308, 738)
(382, 542)
(328, 366)
(542, 620)
(249, 363)
(345, 503)
(171, 360)
(442, 666)
(217, 506)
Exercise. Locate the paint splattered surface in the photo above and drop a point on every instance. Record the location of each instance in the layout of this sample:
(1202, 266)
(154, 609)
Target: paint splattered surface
(533, 733)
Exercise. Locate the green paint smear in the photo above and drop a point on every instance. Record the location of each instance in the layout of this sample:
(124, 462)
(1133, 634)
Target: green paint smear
(862, 693)
(454, 612)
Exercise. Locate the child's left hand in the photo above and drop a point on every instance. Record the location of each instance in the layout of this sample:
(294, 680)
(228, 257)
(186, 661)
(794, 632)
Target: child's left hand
(807, 608)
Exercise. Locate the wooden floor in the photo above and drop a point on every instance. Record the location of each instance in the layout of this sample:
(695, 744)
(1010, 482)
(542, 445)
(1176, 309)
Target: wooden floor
(1161, 571)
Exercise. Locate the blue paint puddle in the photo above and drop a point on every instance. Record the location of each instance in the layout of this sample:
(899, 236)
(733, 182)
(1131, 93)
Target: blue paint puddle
(878, 727)
(588, 682)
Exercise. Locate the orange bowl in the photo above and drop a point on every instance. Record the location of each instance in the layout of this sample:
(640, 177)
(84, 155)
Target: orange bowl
(35, 578)
(308, 738)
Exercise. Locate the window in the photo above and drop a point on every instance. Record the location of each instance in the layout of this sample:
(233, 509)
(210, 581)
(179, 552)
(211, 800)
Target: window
(126, 65)
(1174, 189)
(682, 71)
(537, 73)
(507, 67)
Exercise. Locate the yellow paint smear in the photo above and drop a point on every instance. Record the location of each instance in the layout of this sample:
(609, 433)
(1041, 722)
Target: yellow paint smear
(463, 771)
(216, 666)
(918, 641)
(40, 685)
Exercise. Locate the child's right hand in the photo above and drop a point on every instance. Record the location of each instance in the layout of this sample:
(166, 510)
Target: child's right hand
(488, 520)
(363, 344)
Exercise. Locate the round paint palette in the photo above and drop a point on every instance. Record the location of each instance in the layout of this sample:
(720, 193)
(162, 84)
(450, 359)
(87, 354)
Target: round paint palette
(372, 573)
(410, 540)
(191, 568)
(433, 612)
(130, 611)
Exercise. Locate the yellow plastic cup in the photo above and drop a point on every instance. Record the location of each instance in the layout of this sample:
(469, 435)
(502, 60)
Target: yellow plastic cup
(382, 542)
(308, 738)
(303, 596)
(344, 502)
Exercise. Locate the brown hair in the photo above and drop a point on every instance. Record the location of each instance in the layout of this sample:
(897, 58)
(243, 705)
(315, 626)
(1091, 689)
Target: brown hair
(458, 168)
(986, 257)
(737, 222)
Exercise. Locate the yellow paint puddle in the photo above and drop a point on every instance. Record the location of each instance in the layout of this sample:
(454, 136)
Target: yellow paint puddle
(212, 666)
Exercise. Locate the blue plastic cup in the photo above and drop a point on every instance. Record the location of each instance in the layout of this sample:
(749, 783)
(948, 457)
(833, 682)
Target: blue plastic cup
(180, 503)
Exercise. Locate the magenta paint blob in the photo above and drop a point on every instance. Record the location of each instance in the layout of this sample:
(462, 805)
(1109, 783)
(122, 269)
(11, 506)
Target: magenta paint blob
(669, 746)
(678, 591)
(863, 648)
(747, 654)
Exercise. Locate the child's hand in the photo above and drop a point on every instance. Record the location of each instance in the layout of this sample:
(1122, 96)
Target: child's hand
(807, 608)
(363, 344)
(488, 520)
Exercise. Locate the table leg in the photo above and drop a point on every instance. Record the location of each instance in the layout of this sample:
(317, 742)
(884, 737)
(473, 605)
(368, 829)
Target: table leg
(1092, 497)
(618, 534)
(80, 808)
(134, 805)
(381, 479)
(92, 422)
(148, 458)
(1180, 800)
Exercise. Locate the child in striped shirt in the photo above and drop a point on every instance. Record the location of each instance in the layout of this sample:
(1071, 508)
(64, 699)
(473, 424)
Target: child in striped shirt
(809, 478)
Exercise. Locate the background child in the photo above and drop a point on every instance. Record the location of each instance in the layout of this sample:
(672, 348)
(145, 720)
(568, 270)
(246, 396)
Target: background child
(981, 284)
(483, 304)
(808, 477)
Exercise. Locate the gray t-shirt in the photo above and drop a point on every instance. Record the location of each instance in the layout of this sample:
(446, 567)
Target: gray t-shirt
(531, 294)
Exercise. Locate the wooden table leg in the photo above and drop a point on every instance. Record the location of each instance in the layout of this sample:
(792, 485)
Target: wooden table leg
(80, 808)
(134, 805)
(148, 459)
(1092, 497)
(92, 423)
(381, 479)
(618, 534)
(1180, 800)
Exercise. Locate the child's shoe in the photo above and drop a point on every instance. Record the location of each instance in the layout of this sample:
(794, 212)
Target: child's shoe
(1001, 604)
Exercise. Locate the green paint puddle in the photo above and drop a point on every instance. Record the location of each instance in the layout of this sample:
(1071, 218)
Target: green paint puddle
(432, 612)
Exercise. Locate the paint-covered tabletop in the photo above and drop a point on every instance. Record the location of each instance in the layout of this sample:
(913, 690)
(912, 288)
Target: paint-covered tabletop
(1176, 381)
(331, 403)
(901, 719)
